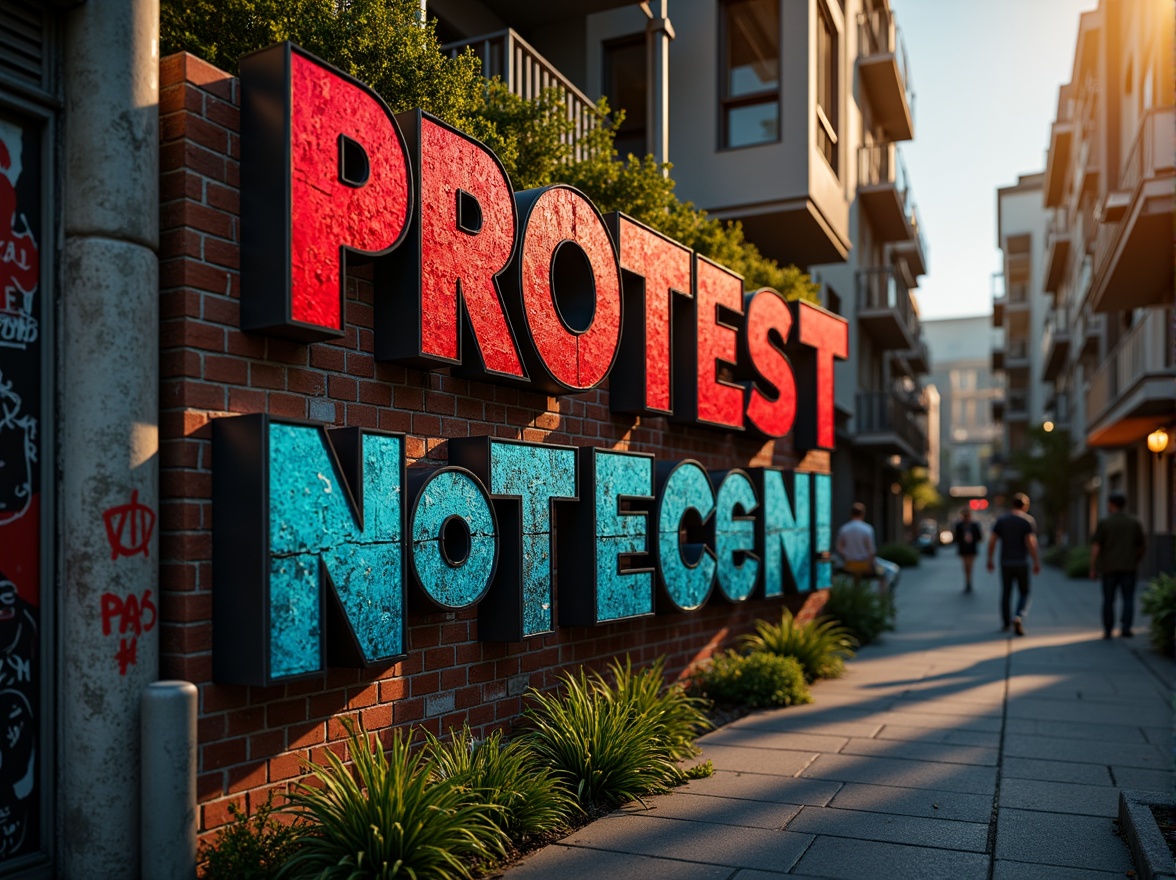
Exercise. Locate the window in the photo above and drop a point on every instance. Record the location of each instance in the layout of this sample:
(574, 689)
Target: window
(626, 86)
(750, 53)
(832, 301)
(827, 86)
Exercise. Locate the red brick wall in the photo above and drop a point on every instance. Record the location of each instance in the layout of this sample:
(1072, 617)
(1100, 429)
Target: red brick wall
(253, 740)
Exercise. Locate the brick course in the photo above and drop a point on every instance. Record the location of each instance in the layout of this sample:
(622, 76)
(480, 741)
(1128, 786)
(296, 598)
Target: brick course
(254, 740)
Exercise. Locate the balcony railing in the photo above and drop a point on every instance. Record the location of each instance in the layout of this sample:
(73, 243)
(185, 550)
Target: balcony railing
(889, 412)
(884, 299)
(879, 34)
(527, 74)
(1152, 150)
(1145, 350)
(885, 192)
(1016, 404)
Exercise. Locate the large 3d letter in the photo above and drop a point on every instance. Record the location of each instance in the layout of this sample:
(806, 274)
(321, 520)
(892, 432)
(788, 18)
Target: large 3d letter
(324, 176)
(739, 566)
(438, 301)
(307, 549)
(525, 480)
(706, 343)
(598, 582)
(818, 337)
(769, 322)
(565, 288)
(654, 268)
(686, 569)
(783, 532)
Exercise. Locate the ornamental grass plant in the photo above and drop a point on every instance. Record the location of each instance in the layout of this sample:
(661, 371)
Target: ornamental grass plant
(821, 646)
(1159, 603)
(527, 799)
(250, 847)
(680, 718)
(386, 817)
(602, 751)
(860, 609)
(759, 680)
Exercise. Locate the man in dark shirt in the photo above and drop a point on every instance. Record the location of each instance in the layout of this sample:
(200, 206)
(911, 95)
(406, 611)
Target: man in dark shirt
(967, 539)
(1118, 543)
(1017, 533)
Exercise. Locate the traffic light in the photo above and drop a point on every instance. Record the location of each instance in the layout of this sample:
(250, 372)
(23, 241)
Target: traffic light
(978, 504)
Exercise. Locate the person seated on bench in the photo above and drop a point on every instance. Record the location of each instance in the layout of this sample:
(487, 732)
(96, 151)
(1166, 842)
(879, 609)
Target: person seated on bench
(855, 543)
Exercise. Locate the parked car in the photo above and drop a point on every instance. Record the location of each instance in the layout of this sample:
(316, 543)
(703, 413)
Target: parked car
(927, 538)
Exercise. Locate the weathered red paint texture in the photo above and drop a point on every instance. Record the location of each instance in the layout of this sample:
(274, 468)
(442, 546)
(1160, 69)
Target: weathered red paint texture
(719, 402)
(829, 336)
(577, 360)
(767, 312)
(326, 211)
(665, 266)
(456, 261)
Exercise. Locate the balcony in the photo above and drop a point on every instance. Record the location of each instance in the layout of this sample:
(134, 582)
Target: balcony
(1055, 342)
(913, 249)
(1088, 333)
(1058, 250)
(884, 192)
(885, 74)
(919, 358)
(1017, 361)
(1132, 257)
(998, 312)
(998, 409)
(998, 358)
(885, 309)
(1016, 405)
(1061, 137)
(1133, 389)
(885, 423)
(527, 74)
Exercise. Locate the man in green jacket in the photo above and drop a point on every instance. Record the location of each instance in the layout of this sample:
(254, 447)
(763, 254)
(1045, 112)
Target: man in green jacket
(1118, 543)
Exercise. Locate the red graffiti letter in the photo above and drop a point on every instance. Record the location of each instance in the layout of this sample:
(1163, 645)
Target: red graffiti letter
(663, 267)
(827, 337)
(149, 607)
(111, 607)
(571, 287)
(719, 402)
(768, 314)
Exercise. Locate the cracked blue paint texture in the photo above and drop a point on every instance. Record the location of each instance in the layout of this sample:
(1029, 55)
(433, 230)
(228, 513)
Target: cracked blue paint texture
(786, 533)
(687, 488)
(312, 520)
(736, 498)
(536, 475)
(621, 594)
(446, 494)
(823, 489)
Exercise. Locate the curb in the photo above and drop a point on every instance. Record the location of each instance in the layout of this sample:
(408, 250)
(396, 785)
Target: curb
(1153, 860)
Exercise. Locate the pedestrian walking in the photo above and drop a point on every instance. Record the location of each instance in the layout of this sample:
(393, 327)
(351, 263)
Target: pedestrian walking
(1115, 549)
(855, 543)
(1016, 532)
(967, 537)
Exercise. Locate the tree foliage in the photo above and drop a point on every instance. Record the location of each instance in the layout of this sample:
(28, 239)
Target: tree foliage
(1047, 462)
(918, 486)
(384, 44)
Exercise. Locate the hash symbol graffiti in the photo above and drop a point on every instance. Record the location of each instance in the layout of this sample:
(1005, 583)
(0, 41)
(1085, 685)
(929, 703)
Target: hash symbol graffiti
(18, 454)
(129, 527)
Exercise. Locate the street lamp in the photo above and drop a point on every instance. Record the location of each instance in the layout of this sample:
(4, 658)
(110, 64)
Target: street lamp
(1157, 441)
(1047, 426)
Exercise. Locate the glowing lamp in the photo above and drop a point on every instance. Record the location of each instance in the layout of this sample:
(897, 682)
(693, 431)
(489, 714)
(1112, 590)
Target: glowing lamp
(1047, 426)
(1157, 440)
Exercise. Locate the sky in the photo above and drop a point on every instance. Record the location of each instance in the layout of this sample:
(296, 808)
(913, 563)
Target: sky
(986, 78)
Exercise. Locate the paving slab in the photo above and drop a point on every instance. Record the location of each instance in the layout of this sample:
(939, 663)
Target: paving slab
(776, 762)
(905, 774)
(763, 787)
(1088, 751)
(1059, 797)
(1006, 870)
(703, 842)
(988, 740)
(869, 860)
(576, 863)
(1056, 771)
(1144, 780)
(946, 753)
(1061, 840)
(916, 830)
(909, 717)
(758, 738)
(1088, 711)
(914, 802)
(717, 810)
(1075, 730)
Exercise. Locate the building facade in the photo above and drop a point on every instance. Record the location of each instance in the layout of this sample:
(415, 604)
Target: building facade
(1109, 187)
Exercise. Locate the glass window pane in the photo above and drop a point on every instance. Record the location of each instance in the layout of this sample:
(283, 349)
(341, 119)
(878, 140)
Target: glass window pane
(753, 124)
(625, 86)
(752, 30)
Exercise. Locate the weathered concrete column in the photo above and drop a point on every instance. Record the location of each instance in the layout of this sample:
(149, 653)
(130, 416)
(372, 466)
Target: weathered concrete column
(658, 33)
(108, 401)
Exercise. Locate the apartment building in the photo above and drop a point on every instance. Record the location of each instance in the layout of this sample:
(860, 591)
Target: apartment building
(969, 436)
(1109, 187)
(786, 116)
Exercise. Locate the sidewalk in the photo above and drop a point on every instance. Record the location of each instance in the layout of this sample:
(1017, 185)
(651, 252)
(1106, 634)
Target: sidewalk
(950, 750)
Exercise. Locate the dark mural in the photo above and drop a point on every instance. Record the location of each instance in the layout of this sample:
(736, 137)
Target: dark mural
(20, 456)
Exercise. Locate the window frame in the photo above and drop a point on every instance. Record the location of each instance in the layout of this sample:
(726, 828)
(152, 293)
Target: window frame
(606, 70)
(828, 126)
(727, 103)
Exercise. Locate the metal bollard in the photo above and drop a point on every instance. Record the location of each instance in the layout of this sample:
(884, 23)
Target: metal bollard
(168, 820)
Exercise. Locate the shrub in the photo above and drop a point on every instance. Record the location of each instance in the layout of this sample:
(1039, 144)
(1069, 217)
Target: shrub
(679, 717)
(1055, 555)
(861, 609)
(756, 680)
(821, 647)
(1159, 603)
(249, 847)
(596, 746)
(1078, 562)
(900, 554)
(382, 818)
(527, 799)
